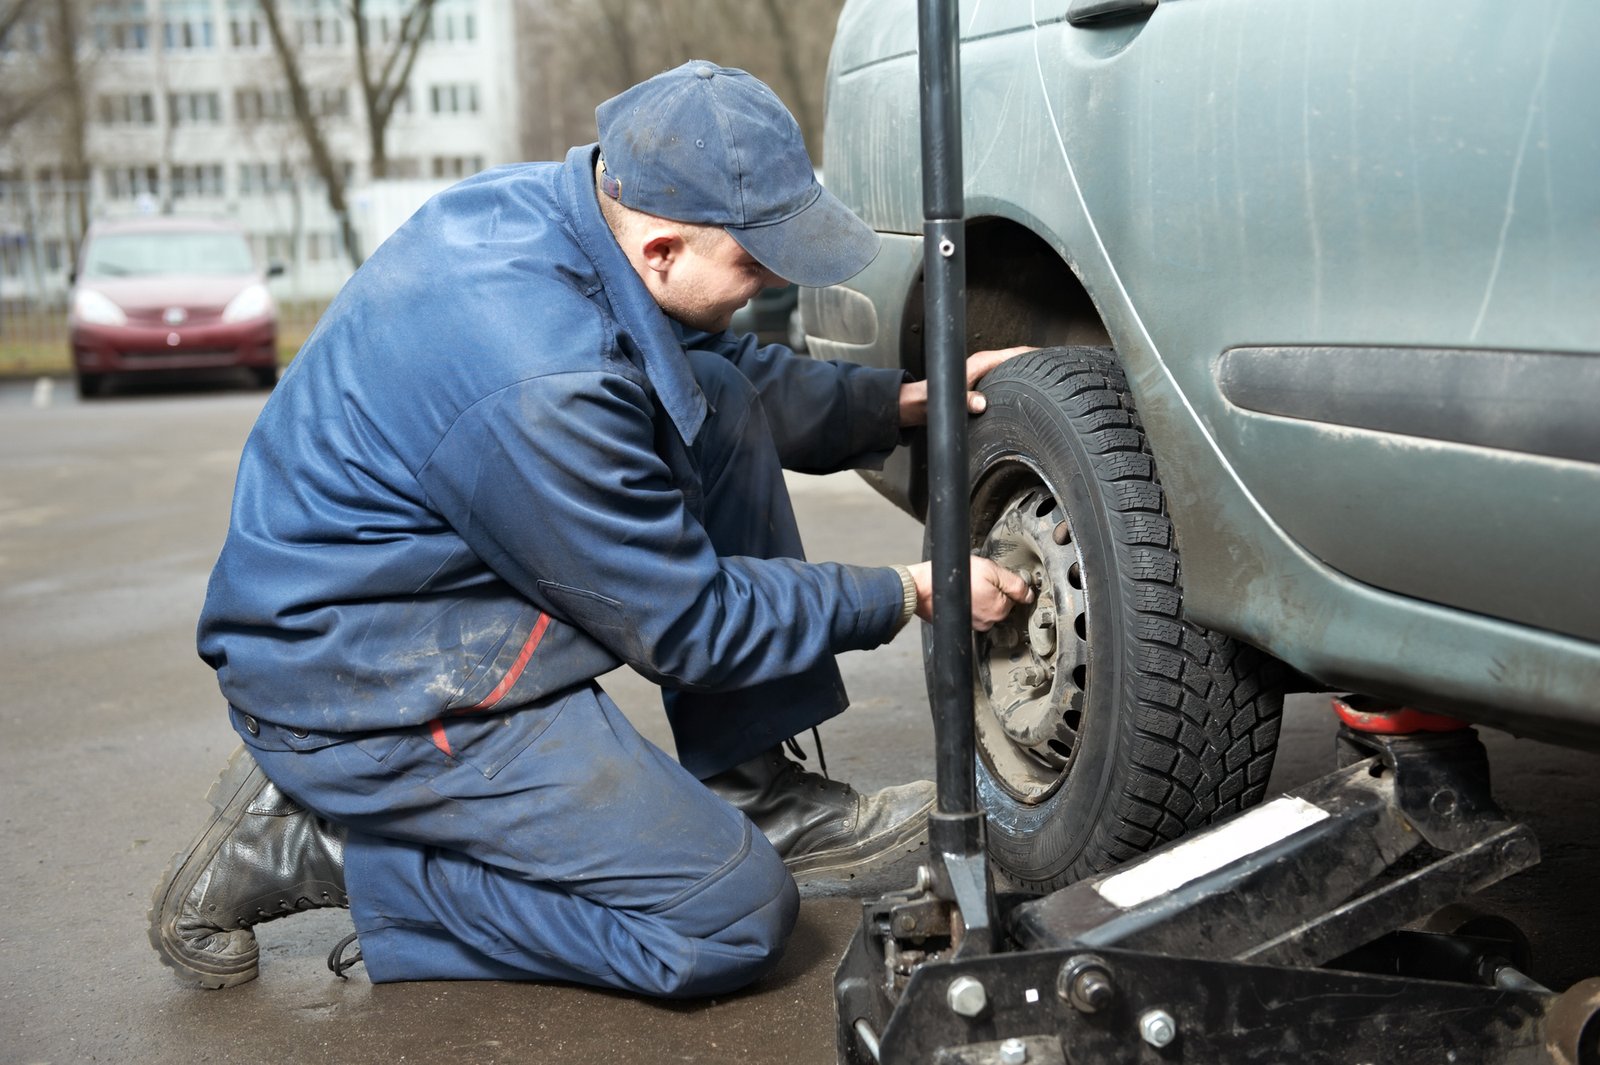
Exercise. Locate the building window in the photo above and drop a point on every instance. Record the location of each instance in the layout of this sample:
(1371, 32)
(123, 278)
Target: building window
(132, 182)
(246, 31)
(23, 37)
(280, 248)
(120, 25)
(194, 108)
(247, 35)
(452, 22)
(454, 99)
(323, 247)
(196, 180)
(380, 29)
(256, 105)
(256, 179)
(321, 24)
(186, 26)
(405, 167)
(126, 109)
(456, 166)
(331, 103)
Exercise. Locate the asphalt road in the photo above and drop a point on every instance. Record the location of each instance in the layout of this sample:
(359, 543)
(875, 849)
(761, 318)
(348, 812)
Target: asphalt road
(111, 514)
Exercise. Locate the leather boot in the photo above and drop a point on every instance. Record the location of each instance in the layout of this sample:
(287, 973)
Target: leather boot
(825, 829)
(262, 856)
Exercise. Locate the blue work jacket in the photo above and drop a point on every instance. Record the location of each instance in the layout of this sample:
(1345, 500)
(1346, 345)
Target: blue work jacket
(470, 488)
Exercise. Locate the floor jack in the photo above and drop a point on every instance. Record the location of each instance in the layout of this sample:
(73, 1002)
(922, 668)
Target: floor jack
(1277, 936)
(1289, 933)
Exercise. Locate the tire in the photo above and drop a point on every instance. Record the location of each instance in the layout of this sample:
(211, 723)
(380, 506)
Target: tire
(1107, 724)
(91, 385)
(265, 377)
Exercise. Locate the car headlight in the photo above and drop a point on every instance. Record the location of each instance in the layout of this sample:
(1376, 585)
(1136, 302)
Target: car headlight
(253, 302)
(96, 308)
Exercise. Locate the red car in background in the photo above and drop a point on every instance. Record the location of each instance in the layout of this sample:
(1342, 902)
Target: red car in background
(170, 293)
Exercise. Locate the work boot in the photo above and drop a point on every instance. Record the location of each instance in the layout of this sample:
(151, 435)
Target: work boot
(260, 857)
(824, 829)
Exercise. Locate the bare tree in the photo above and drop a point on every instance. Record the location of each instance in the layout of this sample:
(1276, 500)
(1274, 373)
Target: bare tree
(383, 77)
(789, 60)
(22, 95)
(589, 50)
(53, 88)
(311, 129)
(74, 98)
(44, 104)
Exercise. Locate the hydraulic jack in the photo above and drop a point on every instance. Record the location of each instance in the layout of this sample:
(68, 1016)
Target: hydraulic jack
(1296, 932)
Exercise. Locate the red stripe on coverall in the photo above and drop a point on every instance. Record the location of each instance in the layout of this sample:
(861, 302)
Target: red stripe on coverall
(515, 672)
(436, 726)
(436, 734)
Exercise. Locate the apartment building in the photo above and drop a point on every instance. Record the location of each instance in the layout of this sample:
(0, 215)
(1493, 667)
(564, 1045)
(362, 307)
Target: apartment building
(188, 111)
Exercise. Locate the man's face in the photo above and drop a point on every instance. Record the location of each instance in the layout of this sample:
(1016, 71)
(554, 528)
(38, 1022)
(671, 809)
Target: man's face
(712, 278)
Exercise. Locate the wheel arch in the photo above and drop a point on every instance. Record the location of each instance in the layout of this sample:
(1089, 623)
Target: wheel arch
(1020, 290)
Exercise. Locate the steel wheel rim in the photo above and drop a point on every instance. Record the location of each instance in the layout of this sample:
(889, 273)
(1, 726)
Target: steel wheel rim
(1031, 671)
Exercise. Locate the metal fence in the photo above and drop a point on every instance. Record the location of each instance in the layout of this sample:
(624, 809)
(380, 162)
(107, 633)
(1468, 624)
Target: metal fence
(40, 223)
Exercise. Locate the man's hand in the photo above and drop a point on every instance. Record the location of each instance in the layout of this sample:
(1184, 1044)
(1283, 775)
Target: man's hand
(914, 394)
(994, 590)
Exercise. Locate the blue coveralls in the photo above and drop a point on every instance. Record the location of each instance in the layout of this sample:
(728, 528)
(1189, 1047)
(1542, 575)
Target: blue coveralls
(495, 471)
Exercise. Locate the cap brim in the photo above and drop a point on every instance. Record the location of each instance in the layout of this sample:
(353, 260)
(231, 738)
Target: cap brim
(821, 245)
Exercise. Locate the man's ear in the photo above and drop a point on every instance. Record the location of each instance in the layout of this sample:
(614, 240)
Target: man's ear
(662, 248)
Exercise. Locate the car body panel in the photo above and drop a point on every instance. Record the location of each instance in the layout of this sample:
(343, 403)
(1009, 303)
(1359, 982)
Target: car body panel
(1315, 177)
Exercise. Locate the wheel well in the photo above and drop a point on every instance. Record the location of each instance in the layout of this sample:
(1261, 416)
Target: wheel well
(1019, 291)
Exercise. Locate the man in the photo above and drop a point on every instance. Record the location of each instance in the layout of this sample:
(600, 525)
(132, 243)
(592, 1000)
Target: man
(519, 449)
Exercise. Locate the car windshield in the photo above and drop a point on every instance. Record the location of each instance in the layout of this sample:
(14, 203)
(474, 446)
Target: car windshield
(146, 254)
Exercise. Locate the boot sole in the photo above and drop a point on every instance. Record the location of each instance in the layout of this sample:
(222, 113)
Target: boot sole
(868, 856)
(229, 797)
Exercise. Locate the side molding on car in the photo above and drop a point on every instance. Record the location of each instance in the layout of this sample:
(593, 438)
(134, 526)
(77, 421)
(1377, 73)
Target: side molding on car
(1537, 403)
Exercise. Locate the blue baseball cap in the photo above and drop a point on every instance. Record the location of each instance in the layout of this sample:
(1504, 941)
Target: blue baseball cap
(715, 146)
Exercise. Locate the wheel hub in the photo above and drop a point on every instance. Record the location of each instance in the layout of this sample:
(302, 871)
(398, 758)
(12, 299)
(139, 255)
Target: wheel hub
(1031, 668)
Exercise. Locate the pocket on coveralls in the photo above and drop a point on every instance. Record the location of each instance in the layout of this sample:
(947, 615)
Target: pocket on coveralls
(486, 741)
(598, 615)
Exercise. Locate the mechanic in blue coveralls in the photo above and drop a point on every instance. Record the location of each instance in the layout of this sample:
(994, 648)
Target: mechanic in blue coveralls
(520, 449)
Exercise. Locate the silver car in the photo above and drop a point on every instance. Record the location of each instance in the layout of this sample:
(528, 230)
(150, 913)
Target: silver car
(1320, 283)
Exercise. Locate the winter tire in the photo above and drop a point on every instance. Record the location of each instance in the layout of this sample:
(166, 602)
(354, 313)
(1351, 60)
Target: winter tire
(1106, 723)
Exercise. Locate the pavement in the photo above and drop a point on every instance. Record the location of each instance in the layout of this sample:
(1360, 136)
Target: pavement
(110, 517)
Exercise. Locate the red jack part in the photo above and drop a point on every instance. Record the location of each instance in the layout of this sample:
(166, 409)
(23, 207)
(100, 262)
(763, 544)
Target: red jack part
(1366, 714)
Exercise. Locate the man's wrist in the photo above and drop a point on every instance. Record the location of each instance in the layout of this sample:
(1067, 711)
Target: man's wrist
(913, 404)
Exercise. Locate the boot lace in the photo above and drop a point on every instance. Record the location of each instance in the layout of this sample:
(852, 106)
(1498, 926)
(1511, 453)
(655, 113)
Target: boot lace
(792, 744)
(339, 965)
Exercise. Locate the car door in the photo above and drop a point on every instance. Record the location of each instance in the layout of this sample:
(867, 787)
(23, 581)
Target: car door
(1364, 237)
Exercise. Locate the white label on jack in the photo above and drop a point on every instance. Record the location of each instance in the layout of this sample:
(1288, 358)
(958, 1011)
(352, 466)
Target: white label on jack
(1192, 859)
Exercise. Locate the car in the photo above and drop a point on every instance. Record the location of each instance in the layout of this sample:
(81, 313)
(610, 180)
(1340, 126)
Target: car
(163, 293)
(1317, 288)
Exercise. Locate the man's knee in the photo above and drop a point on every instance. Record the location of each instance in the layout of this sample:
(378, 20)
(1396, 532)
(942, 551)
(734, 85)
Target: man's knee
(734, 930)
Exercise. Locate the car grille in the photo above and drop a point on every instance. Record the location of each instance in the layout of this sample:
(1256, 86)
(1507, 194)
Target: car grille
(178, 353)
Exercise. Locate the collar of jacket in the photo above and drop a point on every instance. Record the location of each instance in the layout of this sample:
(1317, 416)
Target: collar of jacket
(646, 325)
